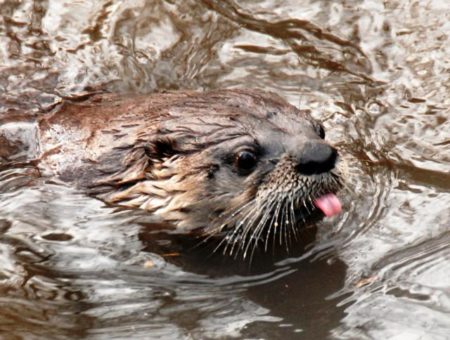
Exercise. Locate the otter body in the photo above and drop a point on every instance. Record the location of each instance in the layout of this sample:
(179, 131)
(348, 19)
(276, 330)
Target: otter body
(241, 163)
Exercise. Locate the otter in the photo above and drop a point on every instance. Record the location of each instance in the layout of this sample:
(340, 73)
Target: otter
(244, 165)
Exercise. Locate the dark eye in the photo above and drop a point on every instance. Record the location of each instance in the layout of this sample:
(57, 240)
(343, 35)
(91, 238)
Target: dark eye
(245, 161)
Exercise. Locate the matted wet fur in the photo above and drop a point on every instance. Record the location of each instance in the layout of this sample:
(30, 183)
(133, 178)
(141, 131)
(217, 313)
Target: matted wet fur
(236, 163)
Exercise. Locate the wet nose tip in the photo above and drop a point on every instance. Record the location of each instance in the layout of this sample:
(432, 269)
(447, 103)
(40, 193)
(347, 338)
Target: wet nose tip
(316, 158)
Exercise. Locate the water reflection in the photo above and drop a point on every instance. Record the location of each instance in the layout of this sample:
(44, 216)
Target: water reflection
(374, 71)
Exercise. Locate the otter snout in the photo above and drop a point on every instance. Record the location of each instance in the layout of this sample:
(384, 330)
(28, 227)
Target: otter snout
(316, 158)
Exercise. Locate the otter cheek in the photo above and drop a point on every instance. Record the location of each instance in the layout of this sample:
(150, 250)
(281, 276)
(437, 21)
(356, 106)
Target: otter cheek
(329, 204)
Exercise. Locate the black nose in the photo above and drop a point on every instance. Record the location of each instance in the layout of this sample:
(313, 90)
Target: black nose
(316, 158)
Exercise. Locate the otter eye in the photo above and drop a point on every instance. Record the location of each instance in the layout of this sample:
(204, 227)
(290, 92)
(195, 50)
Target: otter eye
(245, 161)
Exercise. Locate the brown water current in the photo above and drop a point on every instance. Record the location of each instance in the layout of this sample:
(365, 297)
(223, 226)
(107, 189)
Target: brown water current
(377, 73)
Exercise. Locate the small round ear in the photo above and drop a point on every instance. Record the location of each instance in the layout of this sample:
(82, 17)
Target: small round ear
(161, 147)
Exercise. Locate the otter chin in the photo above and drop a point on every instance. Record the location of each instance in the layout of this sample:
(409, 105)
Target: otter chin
(243, 165)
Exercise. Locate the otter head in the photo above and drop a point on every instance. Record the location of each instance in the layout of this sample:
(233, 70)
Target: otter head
(241, 164)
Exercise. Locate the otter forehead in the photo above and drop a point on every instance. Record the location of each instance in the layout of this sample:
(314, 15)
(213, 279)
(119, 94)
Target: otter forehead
(240, 105)
(280, 130)
(219, 117)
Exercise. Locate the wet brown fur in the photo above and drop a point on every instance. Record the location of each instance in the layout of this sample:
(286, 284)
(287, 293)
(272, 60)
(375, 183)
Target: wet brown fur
(169, 153)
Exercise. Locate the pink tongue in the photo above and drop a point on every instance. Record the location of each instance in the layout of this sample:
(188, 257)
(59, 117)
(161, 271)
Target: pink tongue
(329, 204)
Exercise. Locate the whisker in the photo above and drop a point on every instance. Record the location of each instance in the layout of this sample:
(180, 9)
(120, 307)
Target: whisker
(293, 228)
(245, 224)
(273, 225)
(254, 236)
(274, 217)
(230, 221)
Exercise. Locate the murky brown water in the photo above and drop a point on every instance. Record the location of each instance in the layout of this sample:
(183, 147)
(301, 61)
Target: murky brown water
(376, 72)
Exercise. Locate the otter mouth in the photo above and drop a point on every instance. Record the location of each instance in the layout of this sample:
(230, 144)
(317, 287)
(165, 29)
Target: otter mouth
(325, 205)
(329, 204)
(280, 222)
